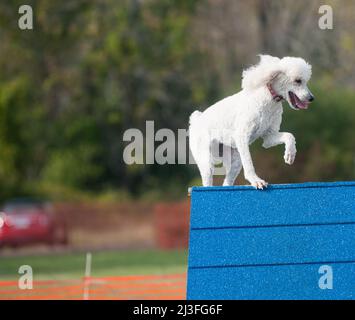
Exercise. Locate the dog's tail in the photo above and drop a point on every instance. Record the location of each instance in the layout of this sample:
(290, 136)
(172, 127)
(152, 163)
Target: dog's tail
(194, 116)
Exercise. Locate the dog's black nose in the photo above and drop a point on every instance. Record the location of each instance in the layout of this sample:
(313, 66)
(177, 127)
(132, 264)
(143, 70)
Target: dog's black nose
(310, 98)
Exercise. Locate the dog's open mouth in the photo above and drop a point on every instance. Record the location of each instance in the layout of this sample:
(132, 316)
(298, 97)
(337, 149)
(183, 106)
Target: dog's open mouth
(296, 102)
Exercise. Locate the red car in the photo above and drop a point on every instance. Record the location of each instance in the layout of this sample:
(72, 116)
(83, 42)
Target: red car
(25, 221)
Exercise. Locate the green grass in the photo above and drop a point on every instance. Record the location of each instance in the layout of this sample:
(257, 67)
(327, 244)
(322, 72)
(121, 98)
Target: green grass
(104, 263)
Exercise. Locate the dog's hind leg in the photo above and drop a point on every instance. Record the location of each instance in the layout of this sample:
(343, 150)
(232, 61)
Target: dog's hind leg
(201, 151)
(206, 170)
(204, 162)
(232, 164)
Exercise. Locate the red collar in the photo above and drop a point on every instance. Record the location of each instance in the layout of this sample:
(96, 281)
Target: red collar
(275, 96)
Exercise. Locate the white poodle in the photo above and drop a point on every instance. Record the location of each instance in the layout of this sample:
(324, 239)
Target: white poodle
(254, 112)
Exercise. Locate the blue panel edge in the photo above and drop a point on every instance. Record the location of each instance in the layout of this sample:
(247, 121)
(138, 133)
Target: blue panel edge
(276, 186)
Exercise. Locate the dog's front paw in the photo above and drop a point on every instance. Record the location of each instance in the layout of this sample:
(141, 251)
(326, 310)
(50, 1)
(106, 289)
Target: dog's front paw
(258, 183)
(290, 156)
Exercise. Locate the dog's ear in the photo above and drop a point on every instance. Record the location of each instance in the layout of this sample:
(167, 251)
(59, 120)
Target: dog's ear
(267, 70)
(274, 75)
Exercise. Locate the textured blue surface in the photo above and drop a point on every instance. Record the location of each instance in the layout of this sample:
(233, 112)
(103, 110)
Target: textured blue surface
(272, 282)
(252, 244)
(306, 203)
(272, 245)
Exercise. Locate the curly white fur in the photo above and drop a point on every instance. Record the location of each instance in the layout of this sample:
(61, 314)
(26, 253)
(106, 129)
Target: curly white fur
(238, 120)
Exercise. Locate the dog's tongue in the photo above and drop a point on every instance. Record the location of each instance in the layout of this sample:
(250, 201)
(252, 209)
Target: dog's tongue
(299, 104)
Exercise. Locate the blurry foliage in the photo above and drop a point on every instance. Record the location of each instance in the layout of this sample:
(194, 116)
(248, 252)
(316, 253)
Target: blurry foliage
(87, 72)
(92, 69)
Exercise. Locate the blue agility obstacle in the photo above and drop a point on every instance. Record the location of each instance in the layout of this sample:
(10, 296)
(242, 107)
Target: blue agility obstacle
(292, 241)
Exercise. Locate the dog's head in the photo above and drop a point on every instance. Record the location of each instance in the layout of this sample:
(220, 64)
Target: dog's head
(288, 78)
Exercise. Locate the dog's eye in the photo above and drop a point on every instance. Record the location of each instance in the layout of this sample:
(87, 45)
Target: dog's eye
(298, 81)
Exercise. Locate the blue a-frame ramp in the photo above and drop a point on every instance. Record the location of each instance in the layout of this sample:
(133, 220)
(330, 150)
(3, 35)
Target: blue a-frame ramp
(278, 243)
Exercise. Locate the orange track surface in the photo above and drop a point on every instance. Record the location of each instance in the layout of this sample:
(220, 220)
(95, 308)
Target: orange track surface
(160, 287)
